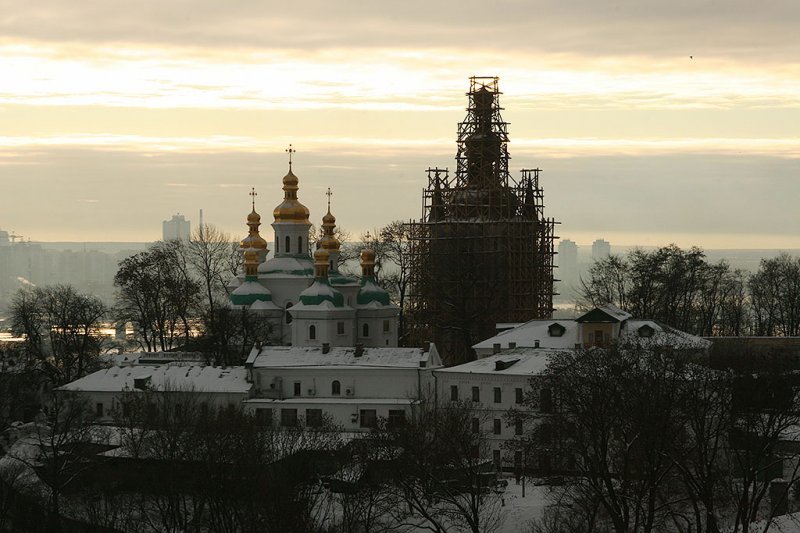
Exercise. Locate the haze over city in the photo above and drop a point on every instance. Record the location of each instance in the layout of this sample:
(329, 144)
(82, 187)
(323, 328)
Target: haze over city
(653, 122)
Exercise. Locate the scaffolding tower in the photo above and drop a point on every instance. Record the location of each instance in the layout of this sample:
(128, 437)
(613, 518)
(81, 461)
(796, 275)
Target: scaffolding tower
(482, 253)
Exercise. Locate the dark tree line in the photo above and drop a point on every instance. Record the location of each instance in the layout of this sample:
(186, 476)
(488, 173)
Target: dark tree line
(682, 289)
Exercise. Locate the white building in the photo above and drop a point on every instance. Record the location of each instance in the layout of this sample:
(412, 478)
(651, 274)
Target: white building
(215, 386)
(353, 386)
(501, 377)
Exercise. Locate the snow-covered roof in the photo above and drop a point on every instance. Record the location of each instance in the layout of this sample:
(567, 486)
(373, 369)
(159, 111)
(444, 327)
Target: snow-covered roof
(536, 330)
(311, 356)
(331, 400)
(144, 358)
(542, 331)
(191, 378)
(291, 266)
(514, 362)
(663, 335)
(605, 313)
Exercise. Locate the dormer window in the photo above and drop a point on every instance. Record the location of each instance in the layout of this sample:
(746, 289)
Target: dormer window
(556, 330)
(646, 331)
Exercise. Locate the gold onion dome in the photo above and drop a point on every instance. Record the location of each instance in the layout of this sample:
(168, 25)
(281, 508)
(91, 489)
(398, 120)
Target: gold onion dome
(291, 210)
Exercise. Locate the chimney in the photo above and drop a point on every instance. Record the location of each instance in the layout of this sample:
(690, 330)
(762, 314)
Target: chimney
(512, 345)
(496, 347)
(326, 347)
(359, 349)
(536, 343)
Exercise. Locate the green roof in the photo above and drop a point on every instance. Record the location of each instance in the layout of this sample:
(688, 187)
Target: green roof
(371, 292)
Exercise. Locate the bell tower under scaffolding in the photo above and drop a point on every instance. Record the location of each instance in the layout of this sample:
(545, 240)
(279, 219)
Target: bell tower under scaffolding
(482, 253)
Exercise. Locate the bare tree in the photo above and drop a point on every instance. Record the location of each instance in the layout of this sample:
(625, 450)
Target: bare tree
(440, 471)
(61, 328)
(157, 292)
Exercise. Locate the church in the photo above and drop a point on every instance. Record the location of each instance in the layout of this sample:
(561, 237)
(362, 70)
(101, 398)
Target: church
(306, 301)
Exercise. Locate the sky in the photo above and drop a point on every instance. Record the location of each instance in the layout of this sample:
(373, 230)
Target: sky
(653, 122)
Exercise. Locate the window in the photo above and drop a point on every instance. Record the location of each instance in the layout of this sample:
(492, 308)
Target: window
(340, 328)
(386, 326)
(397, 418)
(297, 388)
(336, 388)
(277, 245)
(299, 245)
(288, 314)
(498, 395)
(475, 452)
(312, 332)
(518, 395)
(518, 427)
(546, 400)
(369, 418)
(497, 426)
(314, 418)
(453, 393)
(476, 425)
(497, 458)
(264, 417)
(288, 244)
(99, 410)
(289, 418)
(365, 330)
(598, 336)
(476, 394)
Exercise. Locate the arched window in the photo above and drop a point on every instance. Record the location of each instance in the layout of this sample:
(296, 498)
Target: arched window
(365, 330)
(288, 314)
(288, 244)
(299, 245)
(336, 388)
(277, 245)
(312, 332)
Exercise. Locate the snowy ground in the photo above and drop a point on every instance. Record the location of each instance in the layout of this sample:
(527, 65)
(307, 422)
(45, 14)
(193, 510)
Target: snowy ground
(519, 511)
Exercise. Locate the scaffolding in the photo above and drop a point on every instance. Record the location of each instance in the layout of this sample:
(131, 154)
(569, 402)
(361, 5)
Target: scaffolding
(482, 253)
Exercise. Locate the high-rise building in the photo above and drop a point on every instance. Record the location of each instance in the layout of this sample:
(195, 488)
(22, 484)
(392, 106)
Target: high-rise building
(177, 228)
(482, 253)
(600, 249)
(567, 261)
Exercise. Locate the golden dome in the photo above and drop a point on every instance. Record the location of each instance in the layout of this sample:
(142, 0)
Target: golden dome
(321, 257)
(329, 219)
(368, 256)
(291, 210)
(253, 239)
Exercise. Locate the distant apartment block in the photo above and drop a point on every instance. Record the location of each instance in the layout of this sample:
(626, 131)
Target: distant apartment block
(567, 261)
(600, 249)
(176, 228)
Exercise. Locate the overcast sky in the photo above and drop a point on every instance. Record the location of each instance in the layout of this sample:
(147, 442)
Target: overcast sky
(653, 121)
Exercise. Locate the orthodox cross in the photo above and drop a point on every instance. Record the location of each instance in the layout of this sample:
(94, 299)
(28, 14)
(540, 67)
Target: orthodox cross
(290, 151)
(329, 194)
(253, 194)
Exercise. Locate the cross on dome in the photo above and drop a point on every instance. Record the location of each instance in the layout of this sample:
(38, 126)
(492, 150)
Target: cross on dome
(290, 151)
(329, 194)
(253, 194)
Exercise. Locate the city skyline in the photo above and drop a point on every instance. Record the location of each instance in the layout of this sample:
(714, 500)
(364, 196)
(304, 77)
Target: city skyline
(652, 123)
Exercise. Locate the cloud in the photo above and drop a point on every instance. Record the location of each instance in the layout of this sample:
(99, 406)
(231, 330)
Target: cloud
(700, 28)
